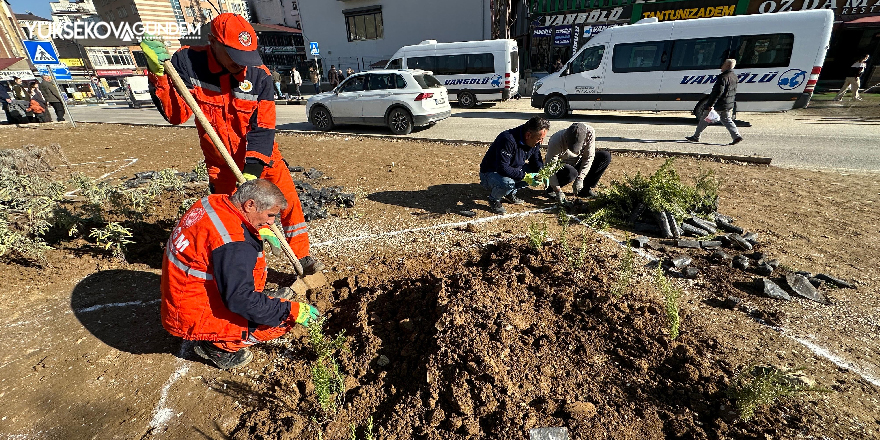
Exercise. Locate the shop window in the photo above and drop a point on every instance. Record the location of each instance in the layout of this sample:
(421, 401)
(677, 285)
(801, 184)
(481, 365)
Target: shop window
(364, 24)
(700, 53)
(588, 60)
(771, 50)
(640, 57)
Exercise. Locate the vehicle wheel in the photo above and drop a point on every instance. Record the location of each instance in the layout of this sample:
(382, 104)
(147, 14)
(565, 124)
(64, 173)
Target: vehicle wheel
(321, 119)
(556, 107)
(467, 100)
(399, 121)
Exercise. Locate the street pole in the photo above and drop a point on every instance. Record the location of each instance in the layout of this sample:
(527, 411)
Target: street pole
(63, 101)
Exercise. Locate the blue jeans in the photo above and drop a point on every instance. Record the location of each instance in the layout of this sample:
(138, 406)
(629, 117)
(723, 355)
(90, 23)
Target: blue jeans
(500, 186)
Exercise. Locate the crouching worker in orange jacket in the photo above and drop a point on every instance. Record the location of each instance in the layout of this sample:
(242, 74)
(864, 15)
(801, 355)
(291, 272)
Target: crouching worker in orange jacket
(214, 272)
(234, 89)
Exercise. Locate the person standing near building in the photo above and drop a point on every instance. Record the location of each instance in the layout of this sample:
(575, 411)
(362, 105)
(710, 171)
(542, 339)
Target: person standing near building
(6, 99)
(297, 80)
(235, 90)
(53, 97)
(721, 99)
(19, 91)
(276, 78)
(853, 79)
(334, 76)
(315, 79)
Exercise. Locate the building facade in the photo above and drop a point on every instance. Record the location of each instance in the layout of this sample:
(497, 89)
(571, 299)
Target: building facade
(280, 12)
(359, 34)
(14, 59)
(558, 28)
(67, 11)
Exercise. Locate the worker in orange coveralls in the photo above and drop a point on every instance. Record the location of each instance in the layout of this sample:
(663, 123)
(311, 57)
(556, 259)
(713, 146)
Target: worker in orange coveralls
(234, 89)
(214, 273)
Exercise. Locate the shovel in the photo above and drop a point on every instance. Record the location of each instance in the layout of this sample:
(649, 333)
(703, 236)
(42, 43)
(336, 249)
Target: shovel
(303, 283)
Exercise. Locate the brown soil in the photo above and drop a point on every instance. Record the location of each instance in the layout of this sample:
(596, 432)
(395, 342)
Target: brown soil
(486, 338)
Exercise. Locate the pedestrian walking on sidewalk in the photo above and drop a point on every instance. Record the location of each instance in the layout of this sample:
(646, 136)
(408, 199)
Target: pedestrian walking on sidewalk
(276, 78)
(722, 100)
(53, 97)
(229, 71)
(315, 78)
(297, 80)
(853, 79)
(512, 162)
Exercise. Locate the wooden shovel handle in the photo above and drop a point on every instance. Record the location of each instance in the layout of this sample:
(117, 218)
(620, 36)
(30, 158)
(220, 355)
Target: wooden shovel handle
(181, 88)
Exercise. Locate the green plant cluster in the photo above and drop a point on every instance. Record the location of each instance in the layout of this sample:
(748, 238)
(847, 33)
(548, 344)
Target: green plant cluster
(549, 169)
(537, 234)
(671, 297)
(326, 376)
(368, 430)
(662, 191)
(575, 262)
(760, 386)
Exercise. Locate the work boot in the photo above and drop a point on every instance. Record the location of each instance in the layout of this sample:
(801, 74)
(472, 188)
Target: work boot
(512, 198)
(310, 265)
(496, 207)
(224, 360)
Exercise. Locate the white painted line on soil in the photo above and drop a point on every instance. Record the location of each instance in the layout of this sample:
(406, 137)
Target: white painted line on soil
(837, 360)
(130, 161)
(125, 304)
(161, 413)
(427, 228)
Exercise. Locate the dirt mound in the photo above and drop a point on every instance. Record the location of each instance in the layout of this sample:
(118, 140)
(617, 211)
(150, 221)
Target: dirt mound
(491, 344)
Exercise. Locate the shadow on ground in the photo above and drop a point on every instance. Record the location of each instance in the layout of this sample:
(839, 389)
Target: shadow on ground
(437, 199)
(121, 308)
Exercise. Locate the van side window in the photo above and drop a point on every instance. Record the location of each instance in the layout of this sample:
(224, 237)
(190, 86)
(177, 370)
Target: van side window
(514, 61)
(770, 50)
(640, 57)
(479, 63)
(396, 63)
(589, 59)
(699, 53)
(424, 63)
(450, 64)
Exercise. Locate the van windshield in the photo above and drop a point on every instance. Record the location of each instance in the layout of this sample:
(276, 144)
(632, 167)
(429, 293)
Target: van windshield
(514, 61)
(427, 81)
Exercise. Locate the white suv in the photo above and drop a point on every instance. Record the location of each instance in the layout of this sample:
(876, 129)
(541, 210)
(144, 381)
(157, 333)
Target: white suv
(399, 99)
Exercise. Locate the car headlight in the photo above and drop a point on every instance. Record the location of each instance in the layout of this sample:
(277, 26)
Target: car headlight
(537, 86)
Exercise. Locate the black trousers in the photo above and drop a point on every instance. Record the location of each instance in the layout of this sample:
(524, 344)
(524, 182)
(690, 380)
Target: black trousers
(59, 110)
(569, 173)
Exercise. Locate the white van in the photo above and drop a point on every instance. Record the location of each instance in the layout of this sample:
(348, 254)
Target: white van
(672, 65)
(472, 71)
(137, 91)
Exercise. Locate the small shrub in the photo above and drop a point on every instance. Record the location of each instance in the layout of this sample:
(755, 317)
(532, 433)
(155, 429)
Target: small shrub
(113, 237)
(368, 430)
(671, 297)
(760, 386)
(328, 379)
(549, 169)
(537, 234)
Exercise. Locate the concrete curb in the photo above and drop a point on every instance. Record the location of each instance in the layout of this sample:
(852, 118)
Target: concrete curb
(757, 160)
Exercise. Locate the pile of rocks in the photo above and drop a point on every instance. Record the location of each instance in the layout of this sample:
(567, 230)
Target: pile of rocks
(315, 201)
(737, 241)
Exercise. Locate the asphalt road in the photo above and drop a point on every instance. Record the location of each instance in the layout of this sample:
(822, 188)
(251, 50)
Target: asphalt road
(793, 139)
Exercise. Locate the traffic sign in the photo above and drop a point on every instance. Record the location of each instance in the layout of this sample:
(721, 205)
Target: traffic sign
(61, 71)
(41, 52)
(313, 48)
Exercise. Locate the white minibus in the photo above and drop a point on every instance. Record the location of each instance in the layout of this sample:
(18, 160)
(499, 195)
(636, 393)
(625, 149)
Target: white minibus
(471, 71)
(671, 65)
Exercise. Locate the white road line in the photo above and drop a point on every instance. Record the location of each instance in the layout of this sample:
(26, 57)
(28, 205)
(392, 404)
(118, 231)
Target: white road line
(130, 161)
(836, 359)
(161, 413)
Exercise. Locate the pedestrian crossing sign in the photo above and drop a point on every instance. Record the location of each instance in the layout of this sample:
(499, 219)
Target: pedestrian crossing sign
(41, 52)
(313, 48)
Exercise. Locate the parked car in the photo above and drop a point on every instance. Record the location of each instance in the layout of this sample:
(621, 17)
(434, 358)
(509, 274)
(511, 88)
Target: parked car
(117, 93)
(400, 99)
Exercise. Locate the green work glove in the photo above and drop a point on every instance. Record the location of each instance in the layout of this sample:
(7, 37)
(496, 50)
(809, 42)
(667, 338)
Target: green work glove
(534, 180)
(307, 314)
(267, 235)
(156, 53)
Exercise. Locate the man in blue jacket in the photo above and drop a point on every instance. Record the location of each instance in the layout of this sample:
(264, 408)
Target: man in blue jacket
(513, 161)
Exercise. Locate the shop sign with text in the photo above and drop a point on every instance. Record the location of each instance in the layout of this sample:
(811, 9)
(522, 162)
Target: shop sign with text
(600, 16)
(687, 10)
(840, 7)
(562, 36)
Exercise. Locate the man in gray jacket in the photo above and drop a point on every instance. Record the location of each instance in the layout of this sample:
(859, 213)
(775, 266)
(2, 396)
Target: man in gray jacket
(583, 165)
(722, 99)
(50, 93)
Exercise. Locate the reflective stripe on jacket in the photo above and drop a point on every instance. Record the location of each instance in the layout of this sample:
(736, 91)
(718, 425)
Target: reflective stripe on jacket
(240, 107)
(213, 274)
